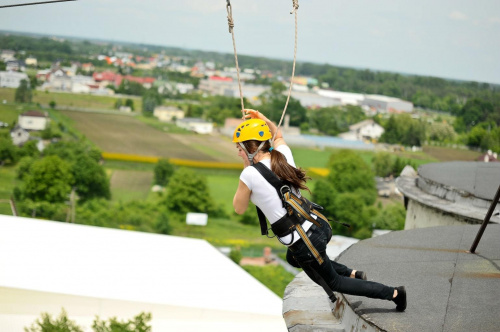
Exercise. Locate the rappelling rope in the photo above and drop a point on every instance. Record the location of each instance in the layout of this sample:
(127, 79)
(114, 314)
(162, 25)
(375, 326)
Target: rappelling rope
(230, 22)
(294, 11)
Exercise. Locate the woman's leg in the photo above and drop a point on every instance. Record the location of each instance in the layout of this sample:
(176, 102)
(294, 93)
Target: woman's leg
(327, 272)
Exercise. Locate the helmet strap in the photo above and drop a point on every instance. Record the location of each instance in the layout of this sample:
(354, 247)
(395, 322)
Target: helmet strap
(251, 155)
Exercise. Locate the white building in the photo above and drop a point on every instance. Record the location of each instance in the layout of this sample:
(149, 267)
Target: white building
(12, 79)
(312, 99)
(364, 130)
(33, 120)
(31, 61)
(7, 55)
(168, 113)
(386, 104)
(346, 98)
(197, 125)
(19, 135)
(186, 284)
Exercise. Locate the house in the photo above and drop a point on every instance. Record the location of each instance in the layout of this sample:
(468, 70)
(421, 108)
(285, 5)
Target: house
(15, 65)
(146, 82)
(197, 125)
(11, 79)
(33, 120)
(88, 67)
(19, 135)
(31, 61)
(364, 130)
(168, 113)
(7, 55)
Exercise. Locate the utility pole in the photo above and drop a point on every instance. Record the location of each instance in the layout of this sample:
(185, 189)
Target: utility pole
(73, 194)
(70, 216)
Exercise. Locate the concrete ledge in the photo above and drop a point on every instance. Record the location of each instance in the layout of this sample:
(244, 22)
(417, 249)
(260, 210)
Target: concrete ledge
(306, 308)
(466, 207)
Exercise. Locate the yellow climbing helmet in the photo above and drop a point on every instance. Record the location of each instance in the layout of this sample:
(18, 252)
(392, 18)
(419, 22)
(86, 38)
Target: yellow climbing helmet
(253, 129)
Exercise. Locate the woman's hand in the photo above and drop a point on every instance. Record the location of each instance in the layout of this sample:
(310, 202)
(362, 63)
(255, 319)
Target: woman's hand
(253, 114)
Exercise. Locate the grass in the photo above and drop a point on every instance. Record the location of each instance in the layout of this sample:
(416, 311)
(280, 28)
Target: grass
(5, 208)
(72, 99)
(222, 232)
(162, 126)
(8, 181)
(9, 113)
(450, 154)
(275, 277)
(127, 185)
(125, 134)
(222, 188)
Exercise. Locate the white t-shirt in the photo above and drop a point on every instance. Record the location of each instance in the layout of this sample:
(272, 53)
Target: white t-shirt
(264, 195)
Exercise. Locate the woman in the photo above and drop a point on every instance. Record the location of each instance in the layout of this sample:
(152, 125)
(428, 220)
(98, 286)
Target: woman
(253, 141)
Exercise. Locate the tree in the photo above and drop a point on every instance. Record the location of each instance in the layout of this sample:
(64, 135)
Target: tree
(60, 324)
(131, 88)
(249, 217)
(163, 223)
(139, 323)
(403, 129)
(391, 217)
(23, 93)
(382, 163)
(90, 179)
(188, 192)
(349, 173)
(30, 149)
(8, 152)
(49, 180)
(163, 171)
(150, 99)
(129, 103)
(349, 209)
(24, 166)
(324, 194)
(441, 132)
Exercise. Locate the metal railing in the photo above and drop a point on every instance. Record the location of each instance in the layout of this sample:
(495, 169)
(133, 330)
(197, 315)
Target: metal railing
(486, 220)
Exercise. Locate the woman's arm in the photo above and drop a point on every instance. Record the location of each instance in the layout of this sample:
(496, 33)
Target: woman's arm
(253, 114)
(241, 198)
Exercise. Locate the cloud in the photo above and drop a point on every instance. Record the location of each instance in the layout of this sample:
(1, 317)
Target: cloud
(494, 20)
(459, 16)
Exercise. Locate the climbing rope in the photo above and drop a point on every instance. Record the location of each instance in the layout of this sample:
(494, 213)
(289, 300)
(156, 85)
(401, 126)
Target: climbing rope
(230, 21)
(294, 11)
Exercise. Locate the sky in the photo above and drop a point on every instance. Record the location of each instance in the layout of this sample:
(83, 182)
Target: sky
(454, 39)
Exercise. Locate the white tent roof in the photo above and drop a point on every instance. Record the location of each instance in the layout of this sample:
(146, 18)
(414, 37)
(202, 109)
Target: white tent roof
(94, 262)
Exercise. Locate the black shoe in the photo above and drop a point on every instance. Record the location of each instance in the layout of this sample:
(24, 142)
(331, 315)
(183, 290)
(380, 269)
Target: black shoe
(400, 299)
(360, 275)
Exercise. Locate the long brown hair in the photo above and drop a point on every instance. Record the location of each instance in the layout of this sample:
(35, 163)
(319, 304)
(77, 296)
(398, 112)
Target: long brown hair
(296, 177)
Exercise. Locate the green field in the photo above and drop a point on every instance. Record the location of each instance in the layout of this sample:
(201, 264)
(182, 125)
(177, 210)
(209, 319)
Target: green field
(130, 185)
(127, 135)
(8, 181)
(71, 99)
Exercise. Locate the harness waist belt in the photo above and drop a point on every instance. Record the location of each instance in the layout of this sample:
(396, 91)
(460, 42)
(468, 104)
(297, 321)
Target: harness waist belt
(284, 226)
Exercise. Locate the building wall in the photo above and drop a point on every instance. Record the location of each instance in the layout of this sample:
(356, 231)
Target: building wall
(421, 216)
(12, 79)
(32, 122)
(402, 106)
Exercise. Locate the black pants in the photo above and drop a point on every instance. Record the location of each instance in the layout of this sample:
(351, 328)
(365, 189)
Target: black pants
(332, 276)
